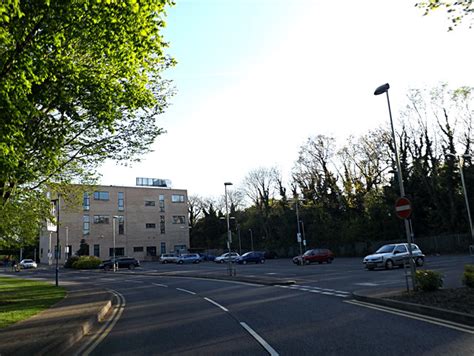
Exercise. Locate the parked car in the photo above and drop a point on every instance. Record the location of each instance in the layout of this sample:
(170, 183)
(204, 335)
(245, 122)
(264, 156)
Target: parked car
(207, 257)
(252, 256)
(189, 258)
(122, 262)
(389, 256)
(28, 263)
(168, 258)
(319, 255)
(225, 257)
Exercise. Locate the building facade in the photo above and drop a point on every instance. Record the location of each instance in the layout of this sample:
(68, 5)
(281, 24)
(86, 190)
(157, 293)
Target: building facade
(142, 222)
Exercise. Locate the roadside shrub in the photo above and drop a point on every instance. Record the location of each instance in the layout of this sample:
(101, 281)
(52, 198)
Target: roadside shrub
(70, 261)
(86, 262)
(468, 277)
(428, 281)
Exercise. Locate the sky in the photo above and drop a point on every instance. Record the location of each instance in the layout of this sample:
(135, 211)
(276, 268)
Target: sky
(256, 78)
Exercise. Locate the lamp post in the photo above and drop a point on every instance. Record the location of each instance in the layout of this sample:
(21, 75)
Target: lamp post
(251, 239)
(298, 234)
(460, 160)
(115, 217)
(229, 234)
(56, 250)
(304, 235)
(380, 90)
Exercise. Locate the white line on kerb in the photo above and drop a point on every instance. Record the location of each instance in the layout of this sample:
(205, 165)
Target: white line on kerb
(216, 304)
(257, 337)
(185, 290)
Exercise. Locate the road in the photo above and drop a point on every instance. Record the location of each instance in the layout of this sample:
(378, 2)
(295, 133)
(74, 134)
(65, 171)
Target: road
(176, 315)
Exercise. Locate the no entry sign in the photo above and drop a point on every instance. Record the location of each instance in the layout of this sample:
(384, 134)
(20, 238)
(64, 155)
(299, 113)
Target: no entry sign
(403, 208)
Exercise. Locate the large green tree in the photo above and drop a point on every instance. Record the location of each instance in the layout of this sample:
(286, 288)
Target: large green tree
(80, 82)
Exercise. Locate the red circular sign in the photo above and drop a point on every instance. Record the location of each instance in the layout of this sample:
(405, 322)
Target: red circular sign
(403, 208)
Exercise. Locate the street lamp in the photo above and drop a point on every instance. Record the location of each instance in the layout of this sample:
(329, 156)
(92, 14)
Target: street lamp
(229, 234)
(115, 217)
(380, 90)
(56, 251)
(460, 160)
(251, 239)
(304, 235)
(298, 234)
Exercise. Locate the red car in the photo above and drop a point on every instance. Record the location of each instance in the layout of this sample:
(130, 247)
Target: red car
(319, 255)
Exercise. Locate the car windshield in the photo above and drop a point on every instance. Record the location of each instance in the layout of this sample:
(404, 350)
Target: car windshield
(246, 254)
(385, 249)
(307, 253)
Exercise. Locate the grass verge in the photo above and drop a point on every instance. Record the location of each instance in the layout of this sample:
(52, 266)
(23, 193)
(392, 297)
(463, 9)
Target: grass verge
(21, 299)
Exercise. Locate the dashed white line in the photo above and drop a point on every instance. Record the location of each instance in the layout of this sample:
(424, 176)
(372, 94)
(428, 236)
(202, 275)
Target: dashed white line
(216, 304)
(186, 291)
(261, 341)
(160, 285)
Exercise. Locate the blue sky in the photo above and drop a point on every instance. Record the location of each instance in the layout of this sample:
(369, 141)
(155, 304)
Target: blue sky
(256, 78)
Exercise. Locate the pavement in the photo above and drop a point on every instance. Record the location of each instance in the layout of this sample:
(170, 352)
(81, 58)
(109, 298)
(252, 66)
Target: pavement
(58, 329)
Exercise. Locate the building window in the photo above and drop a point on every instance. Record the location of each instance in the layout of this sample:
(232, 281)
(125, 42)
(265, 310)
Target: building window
(179, 219)
(177, 198)
(153, 182)
(138, 249)
(163, 247)
(86, 225)
(162, 224)
(97, 250)
(151, 250)
(180, 249)
(150, 226)
(101, 219)
(120, 202)
(86, 202)
(101, 196)
(149, 203)
(121, 225)
(162, 203)
(119, 251)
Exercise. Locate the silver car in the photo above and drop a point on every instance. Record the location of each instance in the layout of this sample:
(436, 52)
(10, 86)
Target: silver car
(389, 256)
(169, 258)
(225, 257)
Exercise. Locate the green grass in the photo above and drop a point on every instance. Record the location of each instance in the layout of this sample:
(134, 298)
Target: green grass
(21, 299)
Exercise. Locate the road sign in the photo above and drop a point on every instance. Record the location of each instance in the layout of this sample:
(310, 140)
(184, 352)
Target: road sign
(298, 237)
(403, 208)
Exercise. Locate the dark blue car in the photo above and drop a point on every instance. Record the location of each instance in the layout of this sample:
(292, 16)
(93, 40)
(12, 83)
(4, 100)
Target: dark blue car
(252, 256)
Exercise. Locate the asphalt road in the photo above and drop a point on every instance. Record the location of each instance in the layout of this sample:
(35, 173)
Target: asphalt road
(176, 315)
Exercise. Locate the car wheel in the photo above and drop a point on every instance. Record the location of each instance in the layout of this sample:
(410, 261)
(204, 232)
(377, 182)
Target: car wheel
(389, 264)
(419, 261)
(244, 262)
(165, 261)
(370, 268)
(262, 261)
(221, 261)
(180, 262)
(320, 262)
(106, 268)
(131, 267)
(329, 260)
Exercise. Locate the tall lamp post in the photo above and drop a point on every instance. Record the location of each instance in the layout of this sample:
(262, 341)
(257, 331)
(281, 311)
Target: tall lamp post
(380, 90)
(56, 250)
(229, 234)
(460, 160)
(298, 234)
(251, 239)
(114, 218)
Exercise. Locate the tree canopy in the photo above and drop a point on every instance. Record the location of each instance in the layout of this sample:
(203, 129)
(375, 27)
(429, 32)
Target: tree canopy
(80, 82)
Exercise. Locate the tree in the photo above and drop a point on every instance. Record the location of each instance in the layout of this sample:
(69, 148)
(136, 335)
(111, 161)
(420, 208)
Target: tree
(456, 10)
(79, 83)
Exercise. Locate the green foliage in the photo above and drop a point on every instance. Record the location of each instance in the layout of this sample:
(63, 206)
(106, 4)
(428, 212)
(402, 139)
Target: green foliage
(70, 261)
(428, 281)
(468, 277)
(456, 10)
(79, 83)
(87, 262)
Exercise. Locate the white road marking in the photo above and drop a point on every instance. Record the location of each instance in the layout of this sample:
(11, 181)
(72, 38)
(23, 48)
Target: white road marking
(448, 324)
(261, 341)
(186, 291)
(160, 285)
(88, 347)
(216, 304)
(368, 284)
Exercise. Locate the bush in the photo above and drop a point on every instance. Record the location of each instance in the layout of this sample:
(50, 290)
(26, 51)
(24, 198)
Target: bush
(428, 281)
(86, 262)
(468, 277)
(70, 261)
